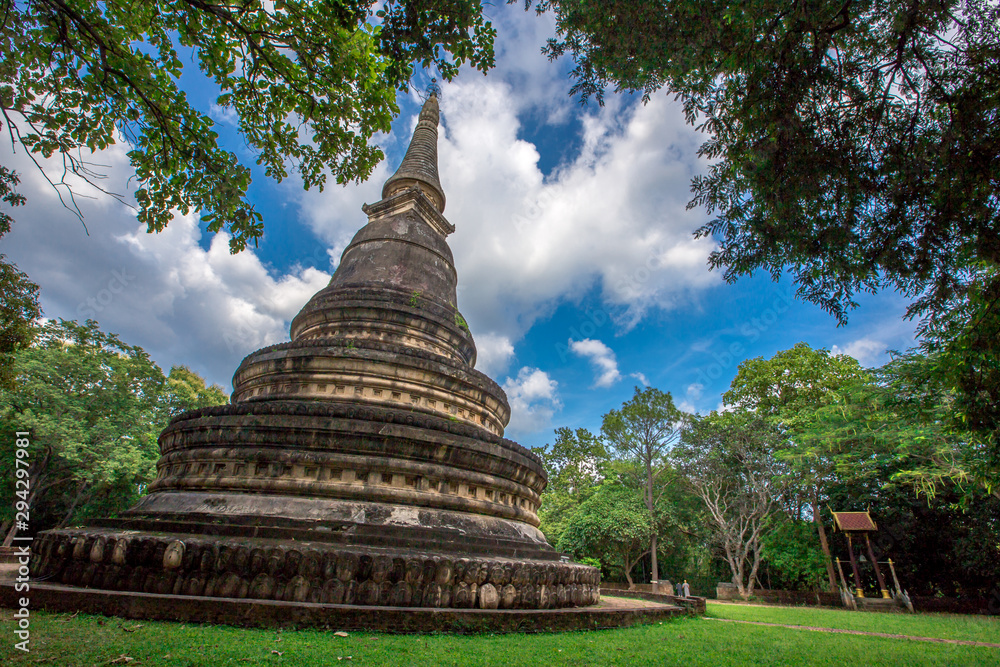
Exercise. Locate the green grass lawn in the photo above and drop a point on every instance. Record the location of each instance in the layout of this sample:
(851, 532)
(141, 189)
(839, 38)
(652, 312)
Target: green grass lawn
(64, 641)
(942, 626)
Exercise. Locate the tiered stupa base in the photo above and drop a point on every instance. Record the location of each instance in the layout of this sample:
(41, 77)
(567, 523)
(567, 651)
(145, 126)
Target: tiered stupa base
(292, 571)
(206, 531)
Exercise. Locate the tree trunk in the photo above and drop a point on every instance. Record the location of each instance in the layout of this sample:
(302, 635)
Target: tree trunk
(81, 487)
(736, 567)
(823, 543)
(741, 587)
(652, 522)
(753, 570)
(629, 566)
(35, 475)
(656, 572)
(12, 533)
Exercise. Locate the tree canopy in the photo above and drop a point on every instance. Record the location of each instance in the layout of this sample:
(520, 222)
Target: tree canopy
(94, 406)
(574, 466)
(310, 83)
(791, 381)
(643, 432)
(933, 443)
(854, 142)
(187, 391)
(18, 294)
(729, 460)
(611, 525)
(744, 494)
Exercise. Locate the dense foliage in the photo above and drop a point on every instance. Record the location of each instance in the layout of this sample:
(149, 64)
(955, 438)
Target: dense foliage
(613, 526)
(310, 83)
(18, 295)
(575, 465)
(855, 143)
(93, 407)
(946, 545)
(746, 494)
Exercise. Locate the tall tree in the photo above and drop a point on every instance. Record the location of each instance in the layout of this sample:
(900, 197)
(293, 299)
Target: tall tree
(788, 389)
(611, 526)
(574, 466)
(18, 295)
(310, 82)
(93, 406)
(729, 460)
(643, 431)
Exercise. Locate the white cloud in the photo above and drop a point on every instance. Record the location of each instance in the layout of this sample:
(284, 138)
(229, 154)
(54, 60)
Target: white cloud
(494, 353)
(541, 86)
(601, 357)
(866, 350)
(883, 328)
(694, 391)
(533, 400)
(641, 378)
(184, 304)
(614, 217)
(692, 394)
(226, 115)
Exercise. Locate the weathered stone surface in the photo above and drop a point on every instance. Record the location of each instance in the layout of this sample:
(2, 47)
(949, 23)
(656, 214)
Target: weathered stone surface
(97, 550)
(620, 613)
(488, 597)
(173, 557)
(419, 166)
(508, 597)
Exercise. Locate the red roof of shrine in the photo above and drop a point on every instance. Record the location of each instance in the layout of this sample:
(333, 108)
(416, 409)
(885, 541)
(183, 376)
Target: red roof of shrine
(850, 522)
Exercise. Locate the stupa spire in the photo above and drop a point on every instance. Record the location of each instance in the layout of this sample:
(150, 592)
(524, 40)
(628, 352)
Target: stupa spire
(420, 165)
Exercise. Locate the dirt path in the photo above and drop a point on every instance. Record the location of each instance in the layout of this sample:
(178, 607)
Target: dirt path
(937, 640)
(760, 604)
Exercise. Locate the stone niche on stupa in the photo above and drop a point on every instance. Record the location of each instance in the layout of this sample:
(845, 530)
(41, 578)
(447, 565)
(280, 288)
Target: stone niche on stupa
(361, 463)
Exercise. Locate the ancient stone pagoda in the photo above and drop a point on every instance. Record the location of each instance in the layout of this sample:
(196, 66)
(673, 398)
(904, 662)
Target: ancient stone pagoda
(361, 463)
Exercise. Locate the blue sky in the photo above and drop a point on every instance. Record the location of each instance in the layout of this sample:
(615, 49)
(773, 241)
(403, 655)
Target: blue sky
(578, 273)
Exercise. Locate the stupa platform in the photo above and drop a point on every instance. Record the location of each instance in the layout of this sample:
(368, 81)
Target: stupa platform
(610, 612)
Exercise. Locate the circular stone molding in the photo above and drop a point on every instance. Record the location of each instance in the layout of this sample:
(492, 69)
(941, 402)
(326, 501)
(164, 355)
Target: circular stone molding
(305, 572)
